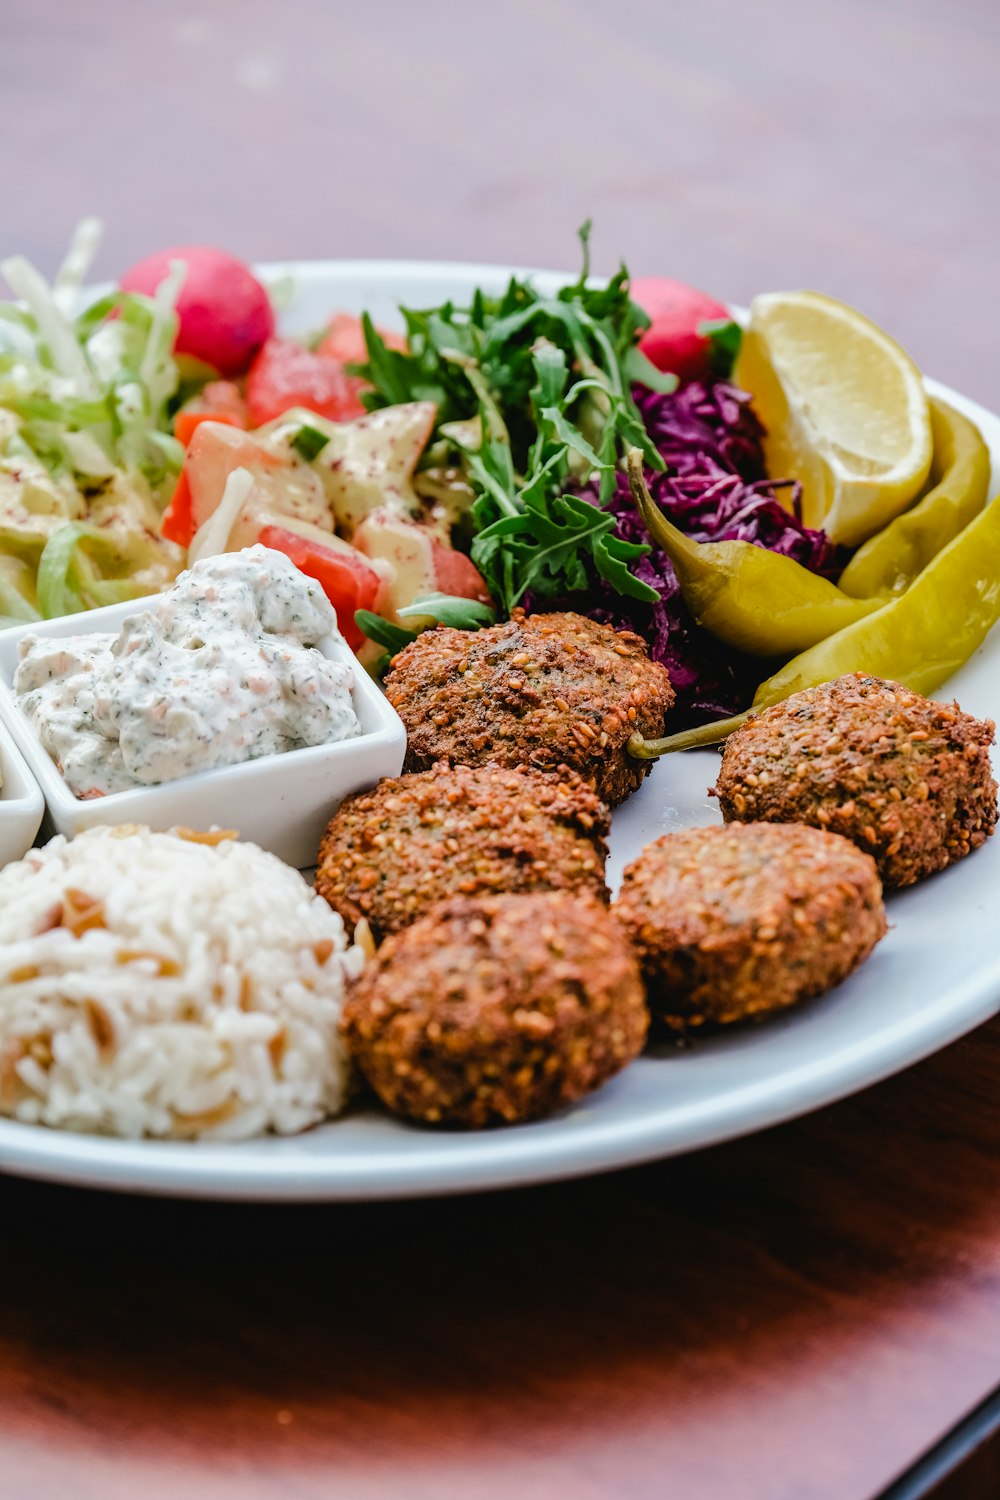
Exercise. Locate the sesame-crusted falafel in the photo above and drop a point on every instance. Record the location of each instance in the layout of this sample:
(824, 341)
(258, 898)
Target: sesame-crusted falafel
(499, 1009)
(541, 690)
(907, 779)
(391, 852)
(735, 921)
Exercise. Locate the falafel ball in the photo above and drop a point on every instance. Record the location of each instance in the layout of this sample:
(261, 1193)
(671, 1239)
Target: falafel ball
(907, 779)
(541, 690)
(391, 852)
(738, 920)
(497, 1009)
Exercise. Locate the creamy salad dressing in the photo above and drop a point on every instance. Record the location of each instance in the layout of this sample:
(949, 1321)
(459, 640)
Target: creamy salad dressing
(223, 669)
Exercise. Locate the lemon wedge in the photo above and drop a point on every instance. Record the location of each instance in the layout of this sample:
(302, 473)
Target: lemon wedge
(844, 407)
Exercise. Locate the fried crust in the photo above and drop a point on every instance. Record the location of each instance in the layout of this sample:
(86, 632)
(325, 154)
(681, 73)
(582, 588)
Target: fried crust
(906, 779)
(392, 852)
(494, 1010)
(541, 690)
(738, 921)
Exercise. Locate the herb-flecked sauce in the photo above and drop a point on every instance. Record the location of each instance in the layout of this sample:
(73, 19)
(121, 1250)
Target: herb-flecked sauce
(224, 668)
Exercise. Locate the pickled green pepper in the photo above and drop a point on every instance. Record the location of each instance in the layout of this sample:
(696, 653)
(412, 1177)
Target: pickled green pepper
(919, 638)
(755, 601)
(889, 561)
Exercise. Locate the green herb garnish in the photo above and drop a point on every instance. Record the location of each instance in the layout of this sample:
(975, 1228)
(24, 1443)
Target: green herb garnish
(308, 442)
(724, 339)
(549, 379)
(451, 609)
(382, 631)
(446, 609)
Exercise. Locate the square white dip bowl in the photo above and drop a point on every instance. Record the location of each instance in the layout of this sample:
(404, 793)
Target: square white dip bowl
(282, 802)
(21, 801)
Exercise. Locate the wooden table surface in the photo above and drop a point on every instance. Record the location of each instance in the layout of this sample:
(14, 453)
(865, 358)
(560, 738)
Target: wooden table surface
(792, 1317)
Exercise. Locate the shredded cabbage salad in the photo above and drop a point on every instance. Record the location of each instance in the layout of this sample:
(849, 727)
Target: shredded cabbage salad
(87, 461)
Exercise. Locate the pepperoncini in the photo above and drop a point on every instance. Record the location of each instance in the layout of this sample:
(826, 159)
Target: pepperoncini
(889, 561)
(919, 638)
(756, 601)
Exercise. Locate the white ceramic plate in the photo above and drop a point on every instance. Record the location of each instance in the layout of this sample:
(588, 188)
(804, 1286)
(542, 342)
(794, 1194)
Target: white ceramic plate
(936, 976)
(21, 801)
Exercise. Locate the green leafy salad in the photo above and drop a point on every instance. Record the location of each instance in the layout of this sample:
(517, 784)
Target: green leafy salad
(534, 392)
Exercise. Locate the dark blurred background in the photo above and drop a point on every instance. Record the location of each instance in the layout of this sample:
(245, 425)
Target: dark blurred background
(851, 146)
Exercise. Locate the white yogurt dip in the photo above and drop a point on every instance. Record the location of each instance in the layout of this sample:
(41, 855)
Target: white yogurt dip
(223, 668)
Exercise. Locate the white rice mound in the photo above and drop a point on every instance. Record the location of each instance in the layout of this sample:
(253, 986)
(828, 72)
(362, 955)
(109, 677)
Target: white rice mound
(151, 985)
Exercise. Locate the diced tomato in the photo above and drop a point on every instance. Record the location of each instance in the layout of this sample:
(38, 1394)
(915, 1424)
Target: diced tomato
(176, 524)
(343, 574)
(456, 574)
(189, 418)
(220, 396)
(345, 340)
(215, 449)
(286, 374)
(218, 401)
(221, 399)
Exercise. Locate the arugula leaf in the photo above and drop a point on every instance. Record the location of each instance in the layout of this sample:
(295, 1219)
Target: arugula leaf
(386, 368)
(612, 555)
(549, 378)
(572, 436)
(551, 373)
(547, 544)
(724, 340)
(450, 609)
(583, 235)
(383, 632)
(641, 371)
(447, 609)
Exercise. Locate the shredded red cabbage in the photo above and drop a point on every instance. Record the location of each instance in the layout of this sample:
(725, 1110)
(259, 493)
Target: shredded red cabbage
(715, 488)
